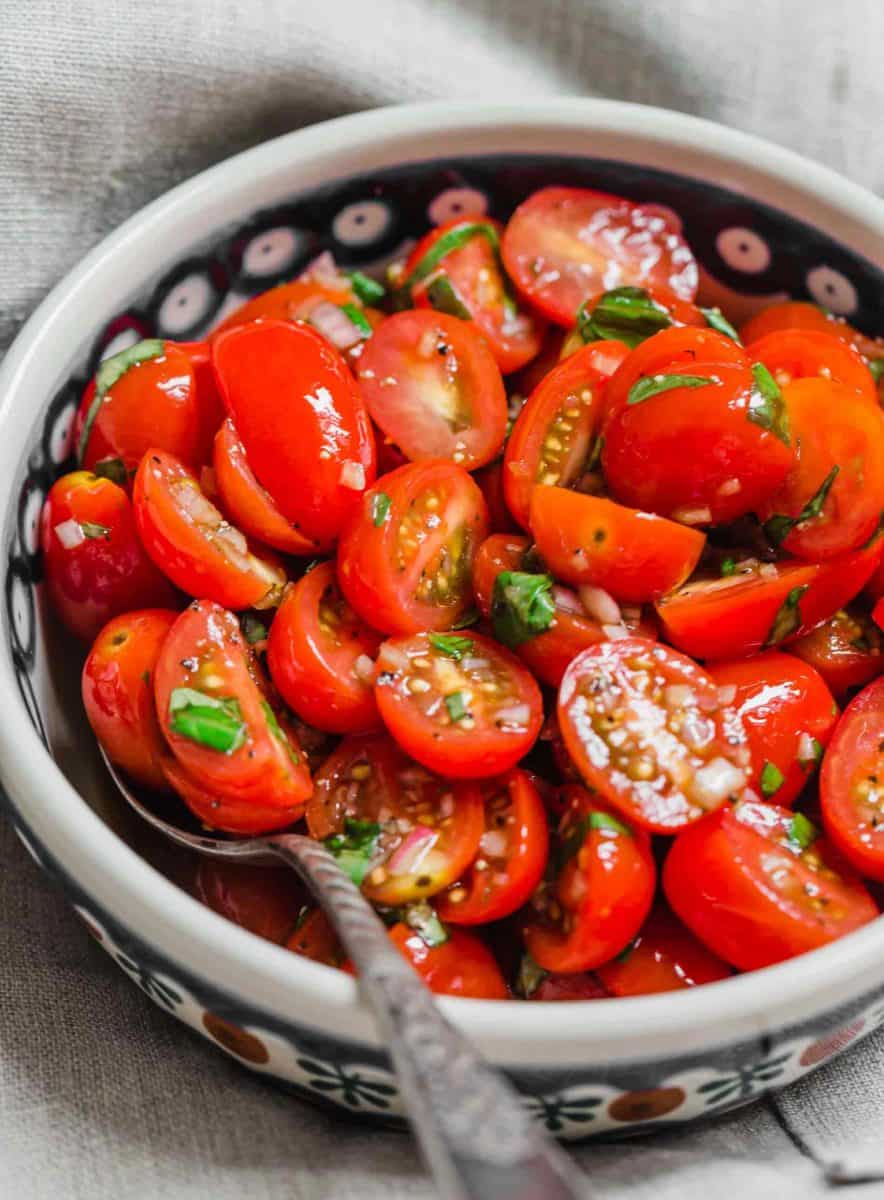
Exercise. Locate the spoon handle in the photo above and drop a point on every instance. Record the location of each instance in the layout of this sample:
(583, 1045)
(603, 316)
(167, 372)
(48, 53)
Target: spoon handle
(477, 1138)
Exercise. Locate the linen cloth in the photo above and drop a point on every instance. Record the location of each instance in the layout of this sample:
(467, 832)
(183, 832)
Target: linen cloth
(104, 104)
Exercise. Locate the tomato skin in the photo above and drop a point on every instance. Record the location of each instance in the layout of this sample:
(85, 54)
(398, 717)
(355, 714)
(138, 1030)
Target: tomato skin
(636, 556)
(574, 393)
(118, 693)
(312, 663)
(301, 420)
(735, 883)
(563, 246)
(847, 650)
(462, 966)
(514, 811)
(292, 301)
(101, 576)
(791, 354)
(665, 957)
(442, 505)
(584, 985)
(852, 782)
(605, 889)
(479, 743)
(490, 482)
(264, 900)
(210, 407)
(315, 938)
(251, 507)
(781, 702)
(799, 314)
(185, 544)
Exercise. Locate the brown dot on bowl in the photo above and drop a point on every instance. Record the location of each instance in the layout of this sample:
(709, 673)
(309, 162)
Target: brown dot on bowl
(646, 1105)
(825, 1047)
(237, 1041)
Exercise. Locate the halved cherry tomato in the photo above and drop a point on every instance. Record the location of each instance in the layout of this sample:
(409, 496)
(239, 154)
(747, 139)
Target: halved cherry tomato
(791, 354)
(264, 900)
(209, 404)
(511, 859)
(292, 301)
(645, 728)
(249, 505)
(602, 890)
(473, 280)
(688, 434)
(458, 703)
(321, 656)
(189, 539)
(664, 957)
(847, 650)
(788, 714)
(315, 938)
(554, 436)
(832, 499)
(461, 966)
(431, 383)
(799, 314)
(758, 885)
(405, 559)
(239, 766)
(852, 782)
(117, 692)
(636, 556)
(584, 985)
(95, 565)
(564, 246)
(299, 415)
(878, 614)
(411, 833)
(490, 482)
(525, 381)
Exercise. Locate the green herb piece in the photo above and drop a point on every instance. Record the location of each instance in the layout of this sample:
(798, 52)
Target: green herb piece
(771, 779)
(876, 366)
(716, 320)
(595, 453)
(456, 706)
(380, 506)
(532, 562)
(91, 529)
(816, 754)
(451, 645)
(113, 469)
(355, 848)
(788, 618)
(278, 732)
(624, 314)
(603, 820)
(879, 530)
(423, 919)
(213, 721)
(357, 316)
(522, 606)
(530, 977)
(111, 371)
(801, 833)
(577, 834)
(652, 385)
(253, 630)
(728, 566)
(369, 291)
(779, 527)
(470, 617)
(443, 297)
(452, 240)
(766, 407)
(626, 951)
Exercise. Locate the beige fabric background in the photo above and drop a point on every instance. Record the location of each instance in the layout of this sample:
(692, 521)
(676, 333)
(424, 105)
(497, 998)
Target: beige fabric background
(103, 105)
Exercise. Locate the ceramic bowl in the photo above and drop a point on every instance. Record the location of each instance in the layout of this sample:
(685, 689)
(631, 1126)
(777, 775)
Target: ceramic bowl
(764, 224)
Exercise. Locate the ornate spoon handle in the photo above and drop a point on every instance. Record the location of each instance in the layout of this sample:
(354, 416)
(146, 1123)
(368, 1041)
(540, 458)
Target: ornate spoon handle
(478, 1140)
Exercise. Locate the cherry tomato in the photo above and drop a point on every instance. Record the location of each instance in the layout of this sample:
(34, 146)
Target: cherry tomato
(585, 985)
(293, 301)
(512, 855)
(431, 383)
(473, 285)
(525, 381)
(788, 714)
(250, 506)
(239, 767)
(405, 559)
(758, 885)
(321, 656)
(209, 404)
(315, 938)
(664, 957)
(832, 499)
(636, 556)
(118, 692)
(490, 482)
(878, 613)
(645, 728)
(631, 315)
(688, 434)
(563, 246)
(301, 421)
(799, 314)
(189, 539)
(264, 900)
(461, 966)
(847, 650)
(458, 703)
(852, 782)
(411, 832)
(95, 565)
(791, 354)
(601, 893)
(554, 436)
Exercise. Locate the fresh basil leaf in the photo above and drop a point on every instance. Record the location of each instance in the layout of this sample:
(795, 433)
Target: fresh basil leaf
(788, 618)
(779, 527)
(91, 529)
(212, 721)
(358, 317)
(652, 385)
(728, 566)
(716, 320)
(522, 606)
(603, 820)
(354, 849)
(380, 506)
(111, 371)
(595, 453)
(801, 833)
(451, 645)
(452, 240)
(456, 706)
(470, 617)
(369, 291)
(766, 406)
(113, 469)
(772, 779)
(278, 732)
(424, 920)
(876, 366)
(530, 977)
(253, 630)
(443, 297)
(624, 314)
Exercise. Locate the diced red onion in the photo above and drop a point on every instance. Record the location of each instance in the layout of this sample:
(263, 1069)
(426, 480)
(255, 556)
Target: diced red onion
(493, 843)
(599, 604)
(727, 694)
(730, 487)
(693, 516)
(414, 848)
(473, 664)
(615, 633)
(70, 534)
(679, 695)
(363, 669)
(334, 324)
(806, 749)
(714, 782)
(353, 476)
(392, 658)
(516, 714)
(324, 269)
(567, 601)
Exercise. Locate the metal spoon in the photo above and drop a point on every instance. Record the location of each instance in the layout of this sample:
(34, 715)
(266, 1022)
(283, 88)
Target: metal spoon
(477, 1139)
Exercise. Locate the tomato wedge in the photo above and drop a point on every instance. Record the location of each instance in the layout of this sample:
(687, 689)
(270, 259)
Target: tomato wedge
(263, 900)
(664, 957)
(847, 650)
(460, 966)
(852, 782)
(458, 703)
(293, 301)
(791, 354)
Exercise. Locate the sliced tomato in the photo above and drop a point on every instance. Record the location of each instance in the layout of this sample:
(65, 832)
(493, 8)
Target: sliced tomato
(458, 703)
(321, 656)
(95, 565)
(404, 833)
(314, 938)
(117, 689)
(791, 354)
(553, 440)
(238, 764)
(758, 885)
(301, 420)
(431, 383)
(788, 714)
(406, 557)
(852, 782)
(191, 542)
(294, 301)
(847, 650)
(664, 957)
(646, 729)
(264, 900)
(601, 893)
(460, 966)
(563, 246)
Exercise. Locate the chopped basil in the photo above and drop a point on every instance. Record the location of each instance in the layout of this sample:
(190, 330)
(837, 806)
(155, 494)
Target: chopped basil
(624, 314)
(816, 754)
(522, 606)
(355, 848)
(595, 453)
(451, 645)
(652, 385)
(452, 240)
(253, 630)
(728, 566)
(470, 617)
(369, 291)
(801, 832)
(380, 506)
(788, 618)
(423, 919)
(716, 320)
(876, 366)
(357, 316)
(530, 977)
(771, 779)
(111, 371)
(456, 706)
(603, 820)
(779, 527)
(278, 732)
(113, 469)
(766, 407)
(213, 721)
(443, 298)
(91, 529)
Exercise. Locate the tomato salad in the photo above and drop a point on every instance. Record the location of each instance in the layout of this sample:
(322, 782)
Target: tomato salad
(547, 600)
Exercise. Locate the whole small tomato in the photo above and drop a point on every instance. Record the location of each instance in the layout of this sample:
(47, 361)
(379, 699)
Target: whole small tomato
(847, 650)
(462, 965)
(267, 901)
(664, 957)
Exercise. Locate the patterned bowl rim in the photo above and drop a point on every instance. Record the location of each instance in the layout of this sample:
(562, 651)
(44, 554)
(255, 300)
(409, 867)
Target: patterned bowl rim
(118, 880)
